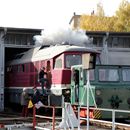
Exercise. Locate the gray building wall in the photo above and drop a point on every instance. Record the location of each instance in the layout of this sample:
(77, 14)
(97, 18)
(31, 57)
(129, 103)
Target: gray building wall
(1, 71)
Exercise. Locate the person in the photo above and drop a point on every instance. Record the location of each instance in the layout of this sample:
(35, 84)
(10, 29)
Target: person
(42, 79)
(36, 95)
(76, 80)
(24, 102)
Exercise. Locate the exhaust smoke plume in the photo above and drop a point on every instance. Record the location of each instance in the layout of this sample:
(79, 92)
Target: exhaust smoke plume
(72, 37)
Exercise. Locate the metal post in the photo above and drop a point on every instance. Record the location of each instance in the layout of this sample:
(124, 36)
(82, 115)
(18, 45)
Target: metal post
(88, 84)
(53, 120)
(79, 117)
(34, 117)
(63, 113)
(113, 119)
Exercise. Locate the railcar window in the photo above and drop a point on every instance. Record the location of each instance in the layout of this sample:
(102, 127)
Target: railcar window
(26, 68)
(126, 74)
(58, 63)
(19, 67)
(22, 68)
(71, 60)
(108, 75)
(15, 69)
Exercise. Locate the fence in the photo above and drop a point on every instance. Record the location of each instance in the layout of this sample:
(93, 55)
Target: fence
(53, 117)
(113, 122)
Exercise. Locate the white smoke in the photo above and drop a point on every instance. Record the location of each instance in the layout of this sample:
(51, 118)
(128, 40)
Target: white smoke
(52, 37)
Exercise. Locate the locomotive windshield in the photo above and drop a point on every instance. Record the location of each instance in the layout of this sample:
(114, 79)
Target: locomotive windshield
(71, 60)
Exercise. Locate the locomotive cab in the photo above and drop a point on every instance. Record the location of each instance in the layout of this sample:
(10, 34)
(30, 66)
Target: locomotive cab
(80, 81)
(79, 86)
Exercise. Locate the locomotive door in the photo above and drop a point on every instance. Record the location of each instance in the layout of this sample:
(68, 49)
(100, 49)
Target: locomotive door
(79, 94)
(76, 83)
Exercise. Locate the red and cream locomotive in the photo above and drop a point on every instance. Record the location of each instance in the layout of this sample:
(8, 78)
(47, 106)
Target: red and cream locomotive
(23, 70)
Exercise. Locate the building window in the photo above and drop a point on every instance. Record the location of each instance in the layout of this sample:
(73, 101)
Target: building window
(18, 40)
(97, 41)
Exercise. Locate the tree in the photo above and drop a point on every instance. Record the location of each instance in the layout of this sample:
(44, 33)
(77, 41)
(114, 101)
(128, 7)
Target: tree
(123, 17)
(99, 22)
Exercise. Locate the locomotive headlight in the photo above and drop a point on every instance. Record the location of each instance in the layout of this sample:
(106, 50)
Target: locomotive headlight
(66, 92)
(98, 92)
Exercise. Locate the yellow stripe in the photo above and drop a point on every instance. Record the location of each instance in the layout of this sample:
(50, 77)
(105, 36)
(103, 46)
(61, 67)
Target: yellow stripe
(97, 114)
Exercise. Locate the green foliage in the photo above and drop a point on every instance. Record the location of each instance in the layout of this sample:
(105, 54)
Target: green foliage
(99, 22)
(123, 17)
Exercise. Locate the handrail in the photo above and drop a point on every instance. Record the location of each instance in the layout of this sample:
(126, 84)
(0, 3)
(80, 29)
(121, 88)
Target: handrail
(34, 117)
(114, 111)
(53, 118)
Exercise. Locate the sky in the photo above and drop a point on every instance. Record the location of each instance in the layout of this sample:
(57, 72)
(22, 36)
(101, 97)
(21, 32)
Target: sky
(46, 14)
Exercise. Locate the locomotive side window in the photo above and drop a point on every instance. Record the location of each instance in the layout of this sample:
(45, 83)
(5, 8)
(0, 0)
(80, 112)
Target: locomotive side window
(71, 60)
(108, 75)
(58, 63)
(91, 75)
(126, 74)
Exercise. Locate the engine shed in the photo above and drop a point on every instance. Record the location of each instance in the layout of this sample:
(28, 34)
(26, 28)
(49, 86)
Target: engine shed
(114, 46)
(12, 42)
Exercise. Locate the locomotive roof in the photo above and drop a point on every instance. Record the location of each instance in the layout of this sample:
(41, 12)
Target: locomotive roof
(37, 53)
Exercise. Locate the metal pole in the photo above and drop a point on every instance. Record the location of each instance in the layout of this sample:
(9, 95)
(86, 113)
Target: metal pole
(113, 119)
(88, 83)
(79, 117)
(34, 117)
(53, 120)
